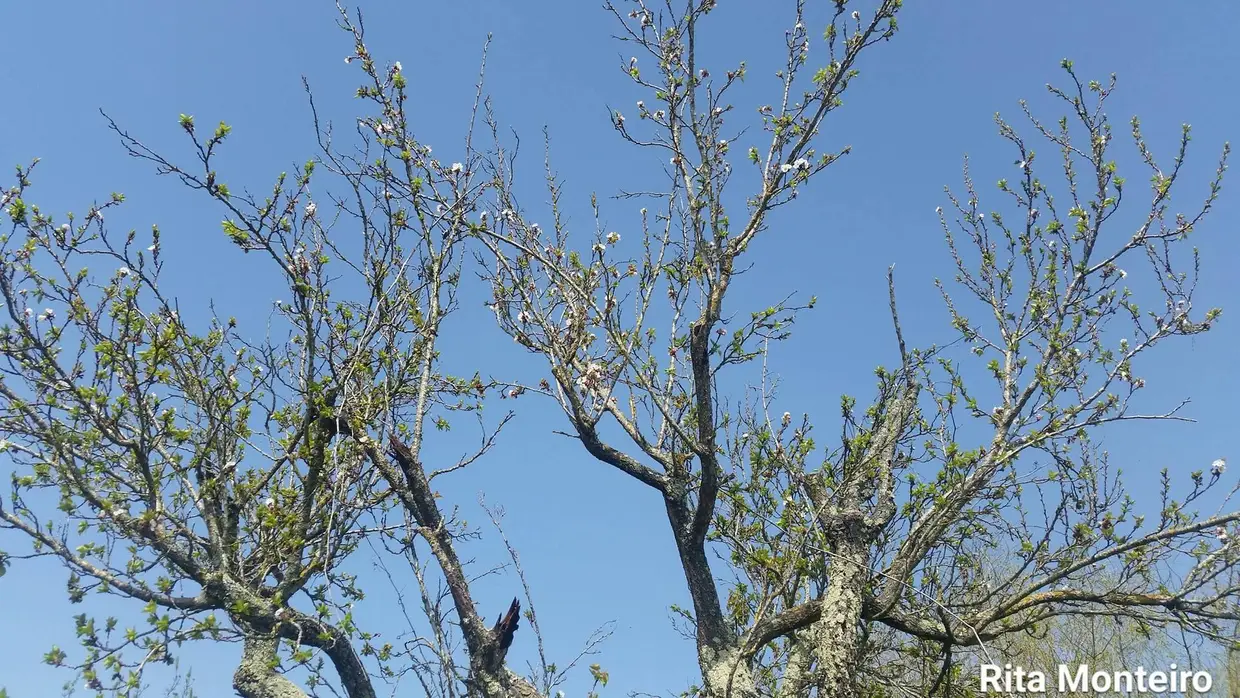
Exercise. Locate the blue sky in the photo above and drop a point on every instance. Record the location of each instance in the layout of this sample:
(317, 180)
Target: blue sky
(594, 545)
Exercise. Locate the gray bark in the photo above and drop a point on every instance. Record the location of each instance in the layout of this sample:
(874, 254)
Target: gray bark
(502, 683)
(797, 677)
(256, 676)
(261, 623)
(837, 631)
(727, 675)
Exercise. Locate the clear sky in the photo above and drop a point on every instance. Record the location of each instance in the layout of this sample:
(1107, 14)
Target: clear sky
(594, 544)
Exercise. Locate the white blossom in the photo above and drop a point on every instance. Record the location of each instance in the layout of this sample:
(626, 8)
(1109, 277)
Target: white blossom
(48, 313)
(801, 164)
(786, 167)
(938, 210)
(658, 114)
(397, 67)
(1122, 274)
(640, 105)
(123, 271)
(29, 312)
(592, 378)
(457, 167)
(856, 15)
(599, 247)
(279, 303)
(613, 237)
(787, 418)
(1218, 466)
(1221, 534)
(64, 228)
(269, 502)
(152, 248)
(310, 209)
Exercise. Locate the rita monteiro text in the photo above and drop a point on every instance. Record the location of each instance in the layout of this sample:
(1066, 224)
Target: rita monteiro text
(1082, 678)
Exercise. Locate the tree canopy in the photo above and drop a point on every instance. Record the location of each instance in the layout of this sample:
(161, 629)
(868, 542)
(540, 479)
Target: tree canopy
(225, 483)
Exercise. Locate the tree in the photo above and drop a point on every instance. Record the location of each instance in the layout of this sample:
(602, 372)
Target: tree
(223, 481)
(846, 560)
(1068, 640)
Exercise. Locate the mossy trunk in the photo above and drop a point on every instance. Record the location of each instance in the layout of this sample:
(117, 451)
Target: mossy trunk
(256, 676)
(836, 634)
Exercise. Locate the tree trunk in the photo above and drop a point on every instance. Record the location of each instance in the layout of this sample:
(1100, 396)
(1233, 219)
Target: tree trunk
(726, 674)
(798, 678)
(256, 676)
(501, 684)
(836, 633)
